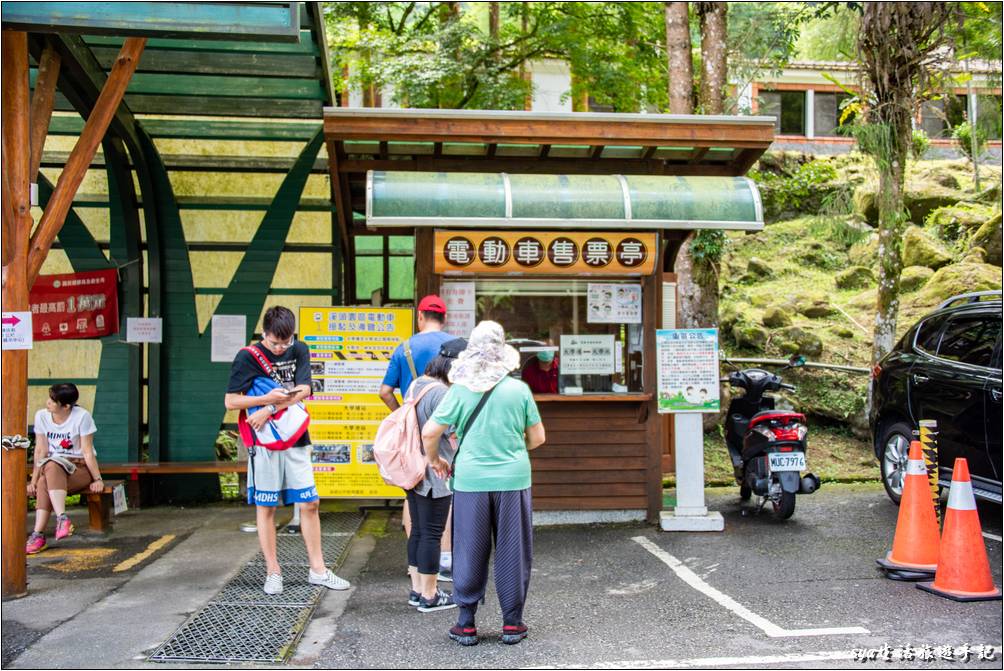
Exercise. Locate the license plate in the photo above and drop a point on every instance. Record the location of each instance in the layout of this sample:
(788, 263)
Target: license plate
(786, 461)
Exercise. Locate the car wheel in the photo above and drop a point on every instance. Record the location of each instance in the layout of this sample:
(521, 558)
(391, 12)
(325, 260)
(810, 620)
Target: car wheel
(895, 445)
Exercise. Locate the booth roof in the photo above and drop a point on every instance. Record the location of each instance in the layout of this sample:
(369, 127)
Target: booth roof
(576, 143)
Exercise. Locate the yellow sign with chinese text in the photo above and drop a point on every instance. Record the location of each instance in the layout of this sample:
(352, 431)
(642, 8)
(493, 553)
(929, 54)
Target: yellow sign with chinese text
(551, 253)
(350, 349)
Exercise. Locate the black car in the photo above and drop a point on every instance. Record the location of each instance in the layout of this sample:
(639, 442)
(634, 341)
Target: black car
(946, 368)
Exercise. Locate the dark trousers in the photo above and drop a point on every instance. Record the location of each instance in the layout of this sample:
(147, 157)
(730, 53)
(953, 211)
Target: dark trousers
(428, 519)
(479, 518)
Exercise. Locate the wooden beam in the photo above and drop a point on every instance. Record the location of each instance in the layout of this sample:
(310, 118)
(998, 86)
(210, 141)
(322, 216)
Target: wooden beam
(80, 158)
(698, 155)
(342, 209)
(538, 166)
(15, 111)
(41, 106)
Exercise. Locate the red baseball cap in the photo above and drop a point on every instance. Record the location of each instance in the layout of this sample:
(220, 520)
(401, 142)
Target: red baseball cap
(432, 303)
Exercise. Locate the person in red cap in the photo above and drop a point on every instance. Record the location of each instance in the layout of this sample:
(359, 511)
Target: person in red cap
(413, 355)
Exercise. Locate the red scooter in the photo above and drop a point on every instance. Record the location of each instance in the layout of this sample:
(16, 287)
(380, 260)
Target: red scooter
(767, 446)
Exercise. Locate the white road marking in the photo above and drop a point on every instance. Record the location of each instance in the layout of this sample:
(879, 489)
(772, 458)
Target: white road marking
(993, 537)
(766, 626)
(716, 662)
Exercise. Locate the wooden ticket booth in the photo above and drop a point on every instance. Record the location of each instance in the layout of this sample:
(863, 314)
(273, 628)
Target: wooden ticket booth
(564, 229)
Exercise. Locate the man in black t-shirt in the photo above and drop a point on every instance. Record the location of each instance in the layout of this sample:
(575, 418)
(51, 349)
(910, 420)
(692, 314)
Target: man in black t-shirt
(280, 476)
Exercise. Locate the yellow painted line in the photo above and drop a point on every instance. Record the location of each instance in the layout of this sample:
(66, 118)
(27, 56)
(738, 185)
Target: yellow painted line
(145, 554)
(73, 560)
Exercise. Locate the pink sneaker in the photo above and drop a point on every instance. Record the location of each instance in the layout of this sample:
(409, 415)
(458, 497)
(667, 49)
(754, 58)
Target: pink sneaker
(64, 527)
(36, 543)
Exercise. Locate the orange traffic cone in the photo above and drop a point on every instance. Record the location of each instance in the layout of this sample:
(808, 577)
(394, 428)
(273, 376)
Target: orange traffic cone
(963, 569)
(914, 554)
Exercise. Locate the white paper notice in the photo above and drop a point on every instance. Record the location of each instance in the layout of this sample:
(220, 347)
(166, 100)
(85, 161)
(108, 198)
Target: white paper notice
(614, 303)
(229, 336)
(17, 330)
(144, 329)
(460, 300)
(587, 355)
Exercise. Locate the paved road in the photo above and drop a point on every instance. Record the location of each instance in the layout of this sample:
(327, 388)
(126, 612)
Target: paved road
(607, 596)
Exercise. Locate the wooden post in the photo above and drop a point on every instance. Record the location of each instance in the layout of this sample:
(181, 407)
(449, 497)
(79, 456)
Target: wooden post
(17, 227)
(83, 152)
(41, 107)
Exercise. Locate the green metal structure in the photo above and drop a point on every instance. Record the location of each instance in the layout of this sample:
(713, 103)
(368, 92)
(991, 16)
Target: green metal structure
(206, 196)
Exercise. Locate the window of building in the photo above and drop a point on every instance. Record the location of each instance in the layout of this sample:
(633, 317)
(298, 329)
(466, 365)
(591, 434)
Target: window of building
(827, 110)
(788, 108)
(938, 117)
(545, 312)
(385, 263)
(988, 115)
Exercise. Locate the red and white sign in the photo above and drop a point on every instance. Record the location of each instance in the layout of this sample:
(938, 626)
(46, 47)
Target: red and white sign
(75, 305)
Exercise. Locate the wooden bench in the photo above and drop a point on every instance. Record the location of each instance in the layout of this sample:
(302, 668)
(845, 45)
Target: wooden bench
(132, 471)
(99, 507)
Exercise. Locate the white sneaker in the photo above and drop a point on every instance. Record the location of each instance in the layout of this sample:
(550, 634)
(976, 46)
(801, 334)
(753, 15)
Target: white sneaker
(327, 579)
(273, 583)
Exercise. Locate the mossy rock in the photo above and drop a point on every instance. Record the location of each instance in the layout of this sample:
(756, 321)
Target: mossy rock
(921, 249)
(842, 332)
(854, 277)
(991, 194)
(914, 277)
(750, 336)
(728, 316)
(960, 278)
(957, 221)
(864, 253)
(865, 300)
(761, 299)
(776, 316)
(988, 236)
(758, 267)
(920, 198)
(819, 257)
(816, 309)
(974, 255)
(794, 339)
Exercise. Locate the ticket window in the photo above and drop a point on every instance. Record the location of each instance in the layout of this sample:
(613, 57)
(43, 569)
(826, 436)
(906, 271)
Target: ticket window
(594, 329)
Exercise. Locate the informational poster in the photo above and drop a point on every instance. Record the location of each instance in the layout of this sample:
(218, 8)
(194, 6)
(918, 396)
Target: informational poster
(587, 355)
(17, 330)
(688, 370)
(544, 252)
(460, 305)
(613, 303)
(144, 329)
(350, 349)
(75, 305)
(229, 336)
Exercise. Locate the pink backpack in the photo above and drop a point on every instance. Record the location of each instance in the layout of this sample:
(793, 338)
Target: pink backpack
(398, 445)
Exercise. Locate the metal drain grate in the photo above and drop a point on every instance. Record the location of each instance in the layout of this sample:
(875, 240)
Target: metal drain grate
(237, 633)
(291, 551)
(242, 623)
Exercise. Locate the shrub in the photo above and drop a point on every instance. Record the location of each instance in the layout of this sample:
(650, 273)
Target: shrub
(963, 136)
(919, 144)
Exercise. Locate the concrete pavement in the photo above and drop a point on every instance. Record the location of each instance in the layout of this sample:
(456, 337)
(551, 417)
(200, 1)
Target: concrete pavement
(614, 595)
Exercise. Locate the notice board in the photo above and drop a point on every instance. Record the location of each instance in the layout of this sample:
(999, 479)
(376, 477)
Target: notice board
(350, 348)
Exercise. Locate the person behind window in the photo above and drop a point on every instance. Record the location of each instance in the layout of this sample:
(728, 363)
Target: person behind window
(65, 462)
(541, 373)
(429, 501)
(491, 479)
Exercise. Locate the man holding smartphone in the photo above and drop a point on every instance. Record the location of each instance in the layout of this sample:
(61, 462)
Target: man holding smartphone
(280, 477)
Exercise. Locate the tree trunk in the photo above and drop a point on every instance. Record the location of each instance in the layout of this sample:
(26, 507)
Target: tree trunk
(892, 224)
(493, 20)
(679, 56)
(697, 293)
(714, 52)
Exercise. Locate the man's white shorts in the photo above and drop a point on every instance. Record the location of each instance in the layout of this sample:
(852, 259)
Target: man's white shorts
(281, 477)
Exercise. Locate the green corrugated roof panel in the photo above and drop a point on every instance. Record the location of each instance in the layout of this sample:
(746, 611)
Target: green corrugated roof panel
(488, 200)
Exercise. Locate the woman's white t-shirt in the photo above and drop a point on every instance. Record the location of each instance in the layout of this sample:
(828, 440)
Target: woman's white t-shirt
(64, 439)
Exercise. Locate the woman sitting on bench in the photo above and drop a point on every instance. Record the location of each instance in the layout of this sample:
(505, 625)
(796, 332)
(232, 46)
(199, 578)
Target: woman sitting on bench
(65, 462)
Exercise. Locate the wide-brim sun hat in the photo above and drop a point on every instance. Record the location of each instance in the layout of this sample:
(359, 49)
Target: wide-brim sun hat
(486, 360)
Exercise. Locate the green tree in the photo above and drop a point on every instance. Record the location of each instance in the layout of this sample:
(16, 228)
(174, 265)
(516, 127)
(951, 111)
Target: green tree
(900, 47)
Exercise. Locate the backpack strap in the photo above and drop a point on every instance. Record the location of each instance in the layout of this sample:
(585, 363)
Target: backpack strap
(263, 362)
(470, 422)
(411, 361)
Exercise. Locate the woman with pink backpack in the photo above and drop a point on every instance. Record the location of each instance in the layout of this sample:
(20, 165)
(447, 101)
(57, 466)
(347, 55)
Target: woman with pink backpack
(429, 501)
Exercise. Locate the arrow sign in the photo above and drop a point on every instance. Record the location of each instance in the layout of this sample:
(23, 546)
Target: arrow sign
(16, 330)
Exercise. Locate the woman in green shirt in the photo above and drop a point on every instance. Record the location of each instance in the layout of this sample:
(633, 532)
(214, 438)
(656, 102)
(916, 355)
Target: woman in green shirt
(491, 479)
